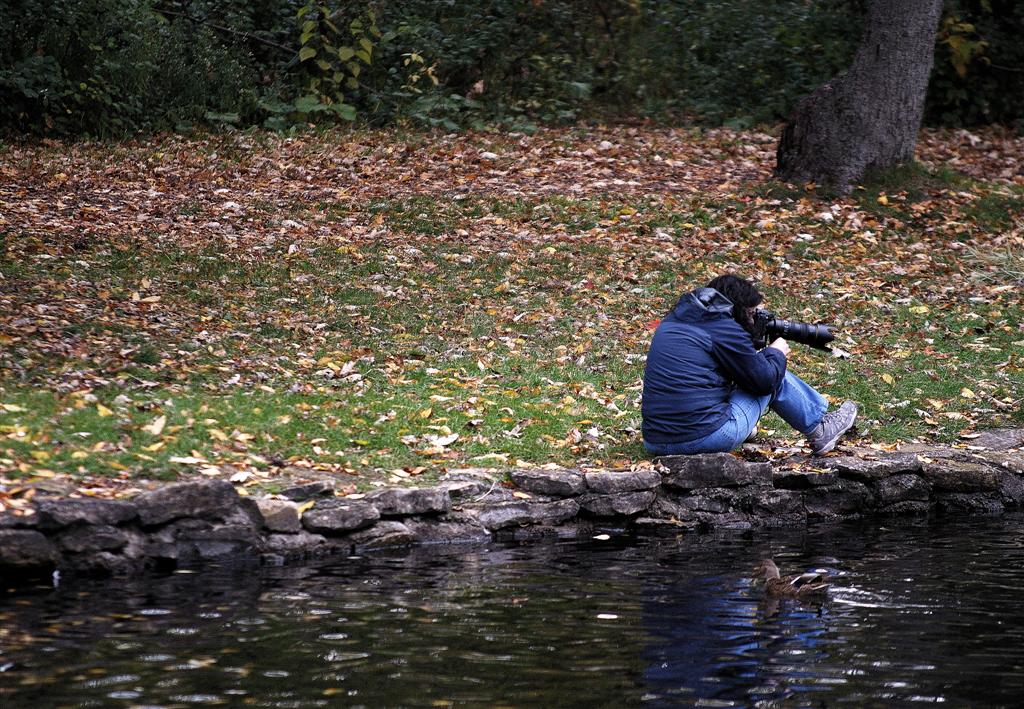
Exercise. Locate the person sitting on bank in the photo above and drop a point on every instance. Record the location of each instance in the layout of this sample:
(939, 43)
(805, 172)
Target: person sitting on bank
(706, 386)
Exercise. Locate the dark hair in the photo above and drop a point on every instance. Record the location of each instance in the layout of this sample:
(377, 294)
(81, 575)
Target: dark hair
(743, 295)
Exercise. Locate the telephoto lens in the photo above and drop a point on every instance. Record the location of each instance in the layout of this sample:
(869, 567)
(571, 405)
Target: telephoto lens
(817, 336)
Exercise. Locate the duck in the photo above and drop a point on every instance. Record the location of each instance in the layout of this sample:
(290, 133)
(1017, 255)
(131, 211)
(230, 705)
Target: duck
(807, 585)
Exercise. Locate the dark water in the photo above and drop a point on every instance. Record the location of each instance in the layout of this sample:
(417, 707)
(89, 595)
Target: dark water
(918, 614)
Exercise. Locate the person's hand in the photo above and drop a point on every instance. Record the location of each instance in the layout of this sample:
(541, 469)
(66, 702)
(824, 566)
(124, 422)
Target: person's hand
(781, 345)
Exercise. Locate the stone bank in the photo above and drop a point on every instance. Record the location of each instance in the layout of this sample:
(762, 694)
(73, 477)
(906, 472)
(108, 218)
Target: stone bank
(186, 525)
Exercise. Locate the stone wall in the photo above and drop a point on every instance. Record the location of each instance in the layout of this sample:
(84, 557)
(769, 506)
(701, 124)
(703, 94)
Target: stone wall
(187, 524)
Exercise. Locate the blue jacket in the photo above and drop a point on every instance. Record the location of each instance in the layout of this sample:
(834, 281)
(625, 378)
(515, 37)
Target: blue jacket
(698, 356)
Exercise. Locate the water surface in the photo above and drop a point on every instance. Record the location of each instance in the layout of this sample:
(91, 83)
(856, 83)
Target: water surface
(917, 614)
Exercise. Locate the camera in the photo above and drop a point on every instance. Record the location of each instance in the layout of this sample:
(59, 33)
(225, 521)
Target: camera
(767, 327)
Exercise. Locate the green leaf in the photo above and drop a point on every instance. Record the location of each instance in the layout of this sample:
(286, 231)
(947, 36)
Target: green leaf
(323, 64)
(307, 104)
(365, 56)
(306, 53)
(366, 44)
(345, 53)
(344, 110)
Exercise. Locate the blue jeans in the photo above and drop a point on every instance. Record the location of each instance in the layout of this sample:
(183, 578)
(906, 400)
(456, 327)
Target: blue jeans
(795, 401)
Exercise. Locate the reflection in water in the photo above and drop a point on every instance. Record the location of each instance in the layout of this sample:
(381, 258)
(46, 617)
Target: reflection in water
(916, 614)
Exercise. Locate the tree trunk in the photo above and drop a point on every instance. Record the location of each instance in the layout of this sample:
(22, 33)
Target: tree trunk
(868, 117)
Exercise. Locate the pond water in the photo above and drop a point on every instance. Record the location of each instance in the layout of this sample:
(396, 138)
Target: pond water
(917, 614)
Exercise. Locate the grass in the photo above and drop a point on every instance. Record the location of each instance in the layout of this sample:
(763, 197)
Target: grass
(517, 323)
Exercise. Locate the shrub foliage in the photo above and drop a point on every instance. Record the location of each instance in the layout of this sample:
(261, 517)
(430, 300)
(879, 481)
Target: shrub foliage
(108, 67)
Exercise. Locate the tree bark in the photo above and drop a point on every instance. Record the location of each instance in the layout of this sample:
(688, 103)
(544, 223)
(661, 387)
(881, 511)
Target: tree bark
(867, 118)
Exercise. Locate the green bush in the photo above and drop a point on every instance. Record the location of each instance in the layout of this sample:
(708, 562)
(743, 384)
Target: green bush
(109, 66)
(979, 65)
(106, 67)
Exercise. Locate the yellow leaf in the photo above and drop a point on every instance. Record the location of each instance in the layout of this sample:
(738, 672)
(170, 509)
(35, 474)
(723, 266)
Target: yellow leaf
(305, 506)
(13, 408)
(155, 447)
(103, 410)
(78, 455)
(919, 309)
(426, 413)
(966, 393)
(41, 456)
(217, 434)
(882, 199)
(887, 378)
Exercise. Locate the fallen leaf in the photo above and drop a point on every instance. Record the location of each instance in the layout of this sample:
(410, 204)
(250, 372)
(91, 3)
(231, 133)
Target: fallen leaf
(156, 427)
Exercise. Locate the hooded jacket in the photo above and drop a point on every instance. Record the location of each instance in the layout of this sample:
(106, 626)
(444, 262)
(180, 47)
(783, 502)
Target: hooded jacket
(699, 355)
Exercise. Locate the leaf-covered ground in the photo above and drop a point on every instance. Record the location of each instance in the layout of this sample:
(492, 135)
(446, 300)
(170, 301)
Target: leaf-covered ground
(381, 307)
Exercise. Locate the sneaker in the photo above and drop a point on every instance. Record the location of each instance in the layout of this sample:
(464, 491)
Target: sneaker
(825, 435)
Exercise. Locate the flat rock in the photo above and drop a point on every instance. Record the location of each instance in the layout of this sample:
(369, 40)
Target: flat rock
(1011, 488)
(92, 537)
(908, 508)
(399, 502)
(336, 516)
(25, 550)
(219, 542)
(803, 479)
(573, 529)
(383, 535)
(670, 508)
(705, 503)
(871, 469)
(960, 503)
(511, 514)
(558, 483)
(1008, 460)
(934, 452)
(280, 515)
(454, 528)
(100, 563)
(9, 520)
(960, 476)
(781, 505)
(612, 482)
(464, 490)
(846, 498)
(735, 521)
(692, 472)
(203, 499)
(622, 503)
(1000, 439)
(294, 546)
(661, 524)
(902, 488)
(57, 514)
(308, 491)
